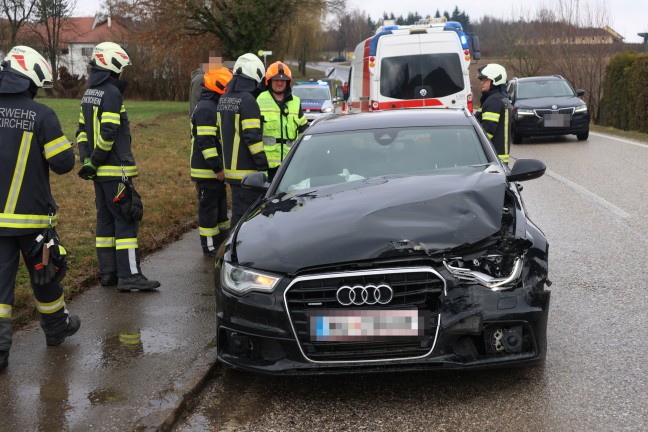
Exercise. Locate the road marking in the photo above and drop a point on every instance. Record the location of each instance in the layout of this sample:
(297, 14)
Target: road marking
(634, 143)
(590, 196)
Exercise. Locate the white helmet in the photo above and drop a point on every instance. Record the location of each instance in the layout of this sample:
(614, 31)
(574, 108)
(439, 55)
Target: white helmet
(28, 62)
(250, 66)
(493, 72)
(110, 56)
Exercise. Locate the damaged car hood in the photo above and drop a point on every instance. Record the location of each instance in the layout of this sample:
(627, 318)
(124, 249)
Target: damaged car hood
(363, 220)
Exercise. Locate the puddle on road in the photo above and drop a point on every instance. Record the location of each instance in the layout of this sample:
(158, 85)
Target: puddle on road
(105, 396)
(128, 345)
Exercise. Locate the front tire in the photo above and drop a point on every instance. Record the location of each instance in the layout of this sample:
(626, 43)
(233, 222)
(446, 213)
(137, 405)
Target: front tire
(583, 135)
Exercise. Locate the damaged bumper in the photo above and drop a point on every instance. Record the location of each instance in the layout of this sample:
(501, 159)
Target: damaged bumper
(465, 324)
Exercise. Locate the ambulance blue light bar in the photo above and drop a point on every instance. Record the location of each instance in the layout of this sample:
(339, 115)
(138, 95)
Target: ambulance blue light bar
(449, 26)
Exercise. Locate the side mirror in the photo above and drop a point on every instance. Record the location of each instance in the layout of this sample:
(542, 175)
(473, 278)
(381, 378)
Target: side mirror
(526, 169)
(474, 41)
(580, 92)
(256, 181)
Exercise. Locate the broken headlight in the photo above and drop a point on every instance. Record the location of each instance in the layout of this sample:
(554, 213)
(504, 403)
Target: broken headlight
(496, 272)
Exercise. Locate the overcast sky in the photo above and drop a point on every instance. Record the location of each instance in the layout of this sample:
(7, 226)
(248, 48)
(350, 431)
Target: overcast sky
(626, 17)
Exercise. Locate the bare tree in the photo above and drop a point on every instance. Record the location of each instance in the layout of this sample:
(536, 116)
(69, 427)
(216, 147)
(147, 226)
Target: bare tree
(579, 52)
(52, 20)
(568, 38)
(17, 13)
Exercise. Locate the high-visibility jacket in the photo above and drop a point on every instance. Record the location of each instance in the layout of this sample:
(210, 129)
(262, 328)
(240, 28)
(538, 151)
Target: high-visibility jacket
(104, 130)
(282, 123)
(31, 143)
(206, 153)
(239, 125)
(495, 119)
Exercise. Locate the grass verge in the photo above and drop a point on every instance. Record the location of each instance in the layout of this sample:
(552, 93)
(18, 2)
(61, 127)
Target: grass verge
(161, 144)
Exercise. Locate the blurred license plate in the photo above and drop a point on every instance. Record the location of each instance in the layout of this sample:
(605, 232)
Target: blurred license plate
(367, 325)
(557, 120)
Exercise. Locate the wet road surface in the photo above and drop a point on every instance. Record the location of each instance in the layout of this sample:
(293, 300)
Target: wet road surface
(133, 361)
(591, 204)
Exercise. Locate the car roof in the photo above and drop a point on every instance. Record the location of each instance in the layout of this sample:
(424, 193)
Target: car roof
(393, 119)
(541, 78)
(312, 84)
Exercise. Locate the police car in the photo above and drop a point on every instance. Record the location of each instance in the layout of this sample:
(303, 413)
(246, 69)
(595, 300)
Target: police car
(315, 98)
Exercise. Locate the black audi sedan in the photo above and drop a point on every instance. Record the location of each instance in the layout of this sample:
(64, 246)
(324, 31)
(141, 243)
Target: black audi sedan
(547, 106)
(387, 241)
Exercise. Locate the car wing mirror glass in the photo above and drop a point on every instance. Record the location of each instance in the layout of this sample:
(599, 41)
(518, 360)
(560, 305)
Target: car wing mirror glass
(256, 181)
(526, 169)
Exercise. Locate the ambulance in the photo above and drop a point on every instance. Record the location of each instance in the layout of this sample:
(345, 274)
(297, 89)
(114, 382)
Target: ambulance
(412, 66)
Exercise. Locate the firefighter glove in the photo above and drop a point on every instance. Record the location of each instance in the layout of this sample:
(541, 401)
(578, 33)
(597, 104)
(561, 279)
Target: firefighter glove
(88, 171)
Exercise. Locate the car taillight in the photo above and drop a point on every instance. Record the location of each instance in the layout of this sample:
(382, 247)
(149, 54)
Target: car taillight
(470, 102)
(374, 105)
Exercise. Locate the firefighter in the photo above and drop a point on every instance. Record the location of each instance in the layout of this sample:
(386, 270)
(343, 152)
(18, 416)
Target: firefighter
(207, 162)
(32, 143)
(104, 141)
(495, 108)
(239, 125)
(283, 119)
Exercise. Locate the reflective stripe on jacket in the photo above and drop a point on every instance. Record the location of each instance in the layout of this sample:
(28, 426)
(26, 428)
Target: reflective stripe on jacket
(280, 130)
(103, 134)
(32, 143)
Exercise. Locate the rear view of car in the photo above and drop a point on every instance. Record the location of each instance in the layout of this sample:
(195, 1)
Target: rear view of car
(315, 98)
(547, 106)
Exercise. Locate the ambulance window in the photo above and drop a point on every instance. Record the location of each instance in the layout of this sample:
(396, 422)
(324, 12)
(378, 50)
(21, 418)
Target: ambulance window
(421, 76)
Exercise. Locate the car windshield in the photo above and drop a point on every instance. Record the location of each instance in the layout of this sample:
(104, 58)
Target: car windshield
(311, 92)
(330, 158)
(545, 88)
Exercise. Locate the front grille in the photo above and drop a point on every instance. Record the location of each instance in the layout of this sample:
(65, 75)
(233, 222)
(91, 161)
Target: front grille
(541, 112)
(414, 288)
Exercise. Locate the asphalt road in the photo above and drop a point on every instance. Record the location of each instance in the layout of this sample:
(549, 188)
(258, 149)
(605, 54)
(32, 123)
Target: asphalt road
(591, 204)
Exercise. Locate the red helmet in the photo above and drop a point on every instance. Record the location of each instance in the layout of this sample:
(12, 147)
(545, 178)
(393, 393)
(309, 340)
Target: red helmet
(216, 79)
(278, 71)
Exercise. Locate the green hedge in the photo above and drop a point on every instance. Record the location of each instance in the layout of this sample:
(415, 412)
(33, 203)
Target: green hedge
(625, 95)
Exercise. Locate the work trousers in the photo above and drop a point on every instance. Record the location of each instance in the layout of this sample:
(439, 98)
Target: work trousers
(50, 302)
(213, 222)
(116, 238)
(242, 199)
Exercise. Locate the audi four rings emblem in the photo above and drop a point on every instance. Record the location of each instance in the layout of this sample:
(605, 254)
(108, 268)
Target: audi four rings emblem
(359, 295)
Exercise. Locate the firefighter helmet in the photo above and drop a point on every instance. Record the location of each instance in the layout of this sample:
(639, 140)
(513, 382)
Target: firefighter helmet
(250, 66)
(278, 71)
(28, 62)
(110, 56)
(493, 72)
(216, 79)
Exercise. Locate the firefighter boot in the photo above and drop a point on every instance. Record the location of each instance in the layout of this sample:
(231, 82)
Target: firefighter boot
(137, 282)
(107, 266)
(73, 324)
